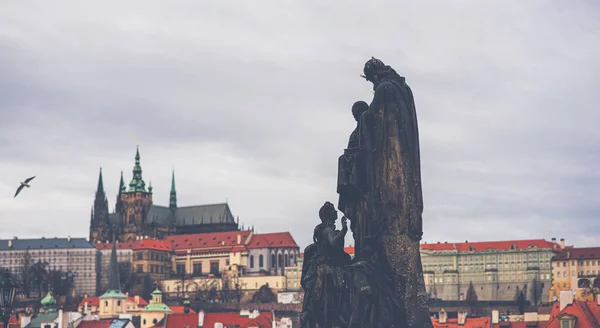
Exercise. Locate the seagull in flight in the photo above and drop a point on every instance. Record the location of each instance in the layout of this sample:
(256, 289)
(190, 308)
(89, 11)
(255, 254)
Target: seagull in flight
(24, 184)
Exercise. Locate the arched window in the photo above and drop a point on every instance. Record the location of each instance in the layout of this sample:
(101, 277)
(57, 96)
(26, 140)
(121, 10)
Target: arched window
(251, 261)
(287, 260)
(261, 262)
(273, 262)
(280, 260)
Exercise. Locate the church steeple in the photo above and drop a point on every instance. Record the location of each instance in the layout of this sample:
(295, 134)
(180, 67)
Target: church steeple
(173, 197)
(137, 183)
(114, 282)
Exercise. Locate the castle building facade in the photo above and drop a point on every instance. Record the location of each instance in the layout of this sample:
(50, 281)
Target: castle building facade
(499, 270)
(136, 216)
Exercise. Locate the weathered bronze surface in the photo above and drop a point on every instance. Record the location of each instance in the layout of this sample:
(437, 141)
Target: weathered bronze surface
(379, 183)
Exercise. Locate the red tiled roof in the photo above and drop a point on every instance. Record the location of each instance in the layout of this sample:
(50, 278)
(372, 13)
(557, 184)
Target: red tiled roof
(234, 319)
(469, 323)
(587, 314)
(103, 323)
(589, 253)
(179, 309)
(492, 245)
(267, 240)
(157, 245)
(108, 246)
(179, 320)
(207, 240)
(91, 301)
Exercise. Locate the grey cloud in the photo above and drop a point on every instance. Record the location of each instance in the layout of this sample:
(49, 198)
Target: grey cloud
(251, 102)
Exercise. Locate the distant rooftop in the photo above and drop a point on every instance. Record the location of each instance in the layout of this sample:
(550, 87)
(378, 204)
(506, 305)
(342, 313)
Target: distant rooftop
(44, 243)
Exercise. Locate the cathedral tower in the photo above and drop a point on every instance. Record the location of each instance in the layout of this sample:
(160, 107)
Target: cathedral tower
(99, 225)
(135, 203)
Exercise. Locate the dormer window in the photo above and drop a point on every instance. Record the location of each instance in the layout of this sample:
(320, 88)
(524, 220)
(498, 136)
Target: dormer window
(567, 321)
(512, 246)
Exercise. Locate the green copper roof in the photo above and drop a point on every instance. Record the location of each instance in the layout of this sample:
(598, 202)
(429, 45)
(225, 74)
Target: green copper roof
(48, 301)
(137, 183)
(157, 307)
(173, 198)
(113, 294)
(156, 292)
(122, 187)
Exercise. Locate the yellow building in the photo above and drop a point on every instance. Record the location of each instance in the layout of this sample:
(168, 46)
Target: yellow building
(153, 257)
(155, 311)
(576, 270)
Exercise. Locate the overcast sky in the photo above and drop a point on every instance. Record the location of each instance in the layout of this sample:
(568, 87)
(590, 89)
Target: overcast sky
(250, 101)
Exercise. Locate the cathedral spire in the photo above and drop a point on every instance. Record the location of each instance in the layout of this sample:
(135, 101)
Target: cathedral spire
(137, 183)
(100, 189)
(173, 196)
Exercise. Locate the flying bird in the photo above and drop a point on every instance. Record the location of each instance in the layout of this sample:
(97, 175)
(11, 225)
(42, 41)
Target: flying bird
(24, 184)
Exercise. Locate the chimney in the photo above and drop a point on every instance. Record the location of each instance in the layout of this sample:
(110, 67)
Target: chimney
(495, 317)
(562, 243)
(239, 238)
(85, 307)
(25, 320)
(137, 299)
(201, 318)
(568, 255)
(443, 316)
(566, 298)
(554, 240)
(69, 239)
(10, 244)
(462, 318)
(60, 319)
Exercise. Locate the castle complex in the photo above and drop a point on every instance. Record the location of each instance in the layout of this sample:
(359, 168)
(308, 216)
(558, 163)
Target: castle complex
(136, 215)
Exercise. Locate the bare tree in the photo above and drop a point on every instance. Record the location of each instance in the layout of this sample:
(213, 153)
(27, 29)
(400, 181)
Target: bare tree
(471, 297)
(24, 276)
(535, 291)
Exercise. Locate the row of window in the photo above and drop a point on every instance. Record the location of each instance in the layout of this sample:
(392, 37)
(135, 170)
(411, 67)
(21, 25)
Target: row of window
(282, 260)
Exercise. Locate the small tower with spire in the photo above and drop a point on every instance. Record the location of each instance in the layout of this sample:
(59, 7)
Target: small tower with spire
(112, 303)
(99, 218)
(173, 194)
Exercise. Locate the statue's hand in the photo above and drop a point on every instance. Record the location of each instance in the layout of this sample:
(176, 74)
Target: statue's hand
(345, 223)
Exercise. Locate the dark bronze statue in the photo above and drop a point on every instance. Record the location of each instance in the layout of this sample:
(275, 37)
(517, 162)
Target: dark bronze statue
(379, 183)
(351, 179)
(340, 292)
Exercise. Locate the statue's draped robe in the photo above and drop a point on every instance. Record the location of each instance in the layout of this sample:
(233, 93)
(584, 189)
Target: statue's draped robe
(351, 188)
(389, 143)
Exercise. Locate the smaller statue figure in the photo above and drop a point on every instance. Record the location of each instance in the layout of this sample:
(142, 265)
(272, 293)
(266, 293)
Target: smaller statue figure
(340, 292)
(351, 181)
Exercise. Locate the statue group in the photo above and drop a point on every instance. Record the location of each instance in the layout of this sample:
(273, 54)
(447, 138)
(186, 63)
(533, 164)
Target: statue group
(379, 187)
